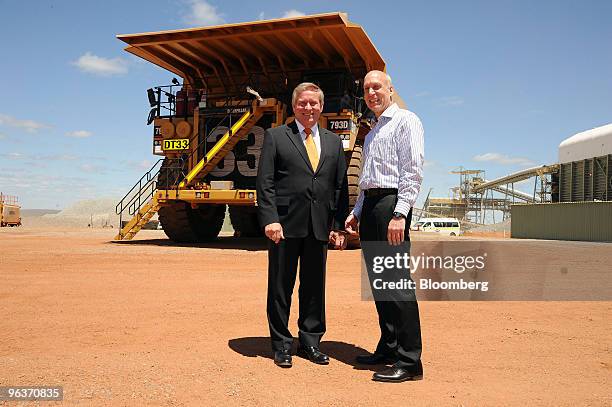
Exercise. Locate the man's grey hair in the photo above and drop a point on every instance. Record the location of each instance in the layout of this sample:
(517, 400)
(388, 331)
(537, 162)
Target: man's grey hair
(303, 87)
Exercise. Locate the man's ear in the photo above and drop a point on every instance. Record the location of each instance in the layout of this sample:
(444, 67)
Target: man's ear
(391, 92)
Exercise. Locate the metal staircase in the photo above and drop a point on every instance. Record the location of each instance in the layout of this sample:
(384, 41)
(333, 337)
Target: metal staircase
(226, 143)
(142, 217)
(141, 202)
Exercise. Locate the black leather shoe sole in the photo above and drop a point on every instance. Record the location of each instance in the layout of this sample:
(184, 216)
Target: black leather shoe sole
(301, 353)
(406, 378)
(283, 363)
(282, 359)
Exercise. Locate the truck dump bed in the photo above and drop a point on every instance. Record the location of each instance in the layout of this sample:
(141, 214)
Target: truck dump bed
(219, 57)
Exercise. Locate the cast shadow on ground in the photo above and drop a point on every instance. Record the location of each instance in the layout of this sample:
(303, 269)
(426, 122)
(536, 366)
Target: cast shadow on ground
(223, 242)
(341, 351)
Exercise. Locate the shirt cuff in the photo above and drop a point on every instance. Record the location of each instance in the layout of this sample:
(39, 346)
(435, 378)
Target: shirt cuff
(402, 208)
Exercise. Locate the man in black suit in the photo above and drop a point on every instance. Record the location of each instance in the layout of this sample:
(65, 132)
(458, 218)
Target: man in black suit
(302, 202)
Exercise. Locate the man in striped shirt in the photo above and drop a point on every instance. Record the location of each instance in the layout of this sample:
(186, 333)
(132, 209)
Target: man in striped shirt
(391, 175)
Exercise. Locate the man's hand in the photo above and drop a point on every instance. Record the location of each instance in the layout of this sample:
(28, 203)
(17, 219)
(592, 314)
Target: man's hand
(274, 232)
(338, 240)
(351, 224)
(395, 231)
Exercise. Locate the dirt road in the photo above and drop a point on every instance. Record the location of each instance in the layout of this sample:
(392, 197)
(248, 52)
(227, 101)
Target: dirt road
(152, 323)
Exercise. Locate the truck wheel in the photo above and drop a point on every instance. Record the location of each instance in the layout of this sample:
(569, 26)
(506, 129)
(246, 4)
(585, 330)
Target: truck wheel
(169, 174)
(352, 173)
(244, 221)
(183, 224)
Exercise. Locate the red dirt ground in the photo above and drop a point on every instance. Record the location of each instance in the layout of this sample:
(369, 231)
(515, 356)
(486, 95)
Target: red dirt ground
(149, 322)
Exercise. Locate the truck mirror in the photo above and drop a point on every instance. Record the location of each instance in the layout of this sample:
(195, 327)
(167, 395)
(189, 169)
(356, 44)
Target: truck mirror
(151, 116)
(152, 98)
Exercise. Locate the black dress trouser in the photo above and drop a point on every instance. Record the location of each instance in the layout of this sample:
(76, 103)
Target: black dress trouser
(282, 270)
(400, 327)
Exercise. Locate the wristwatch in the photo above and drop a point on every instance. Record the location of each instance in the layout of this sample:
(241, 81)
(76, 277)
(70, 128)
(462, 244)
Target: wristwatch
(398, 215)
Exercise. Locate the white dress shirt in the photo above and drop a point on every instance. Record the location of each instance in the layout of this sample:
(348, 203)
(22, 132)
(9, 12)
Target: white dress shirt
(315, 135)
(393, 158)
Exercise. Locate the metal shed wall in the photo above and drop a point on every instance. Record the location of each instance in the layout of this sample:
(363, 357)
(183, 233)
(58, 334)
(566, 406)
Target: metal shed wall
(586, 180)
(584, 221)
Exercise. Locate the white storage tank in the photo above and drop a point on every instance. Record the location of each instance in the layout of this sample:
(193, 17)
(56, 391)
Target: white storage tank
(588, 144)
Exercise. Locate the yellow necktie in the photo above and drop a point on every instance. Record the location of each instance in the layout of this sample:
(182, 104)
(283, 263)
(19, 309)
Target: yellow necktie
(311, 149)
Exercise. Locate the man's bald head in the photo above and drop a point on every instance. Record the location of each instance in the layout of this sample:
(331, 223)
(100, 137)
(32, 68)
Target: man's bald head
(377, 72)
(378, 91)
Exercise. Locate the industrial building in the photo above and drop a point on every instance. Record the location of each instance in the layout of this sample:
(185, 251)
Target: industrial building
(571, 200)
(581, 205)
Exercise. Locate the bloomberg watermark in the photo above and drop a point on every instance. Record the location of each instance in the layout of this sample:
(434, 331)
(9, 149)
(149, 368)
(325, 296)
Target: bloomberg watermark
(475, 270)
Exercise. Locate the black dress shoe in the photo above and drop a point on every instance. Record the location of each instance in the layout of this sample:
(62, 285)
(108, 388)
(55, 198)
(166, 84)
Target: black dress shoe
(313, 354)
(395, 374)
(375, 359)
(282, 358)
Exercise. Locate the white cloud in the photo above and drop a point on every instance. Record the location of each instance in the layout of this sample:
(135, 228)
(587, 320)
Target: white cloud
(91, 168)
(203, 13)
(57, 157)
(144, 165)
(96, 65)
(422, 94)
(39, 158)
(41, 182)
(428, 163)
(79, 133)
(261, 16)
(292, 13)
(30, 126)
(503, 159)
(450, 101)
(13, 156)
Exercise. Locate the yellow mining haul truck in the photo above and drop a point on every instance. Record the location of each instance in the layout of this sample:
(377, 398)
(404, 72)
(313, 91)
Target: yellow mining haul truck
(235, 82)
(10, 211)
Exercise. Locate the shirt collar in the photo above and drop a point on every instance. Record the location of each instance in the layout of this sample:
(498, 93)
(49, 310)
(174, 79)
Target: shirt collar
(390, 111)
(315, 128)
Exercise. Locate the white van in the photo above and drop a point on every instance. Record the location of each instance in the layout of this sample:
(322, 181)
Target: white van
(445, 226)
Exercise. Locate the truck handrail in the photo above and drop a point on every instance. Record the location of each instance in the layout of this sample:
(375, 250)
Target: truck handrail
(230, 111)
(134, 197)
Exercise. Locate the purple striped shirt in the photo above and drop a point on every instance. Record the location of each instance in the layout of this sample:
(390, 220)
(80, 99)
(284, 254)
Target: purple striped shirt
(393, 158)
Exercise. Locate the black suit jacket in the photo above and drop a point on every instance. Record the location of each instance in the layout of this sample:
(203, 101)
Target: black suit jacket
(291, 192)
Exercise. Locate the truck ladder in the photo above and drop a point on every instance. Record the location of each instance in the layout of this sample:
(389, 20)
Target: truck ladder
(226, 143)
(140, 219)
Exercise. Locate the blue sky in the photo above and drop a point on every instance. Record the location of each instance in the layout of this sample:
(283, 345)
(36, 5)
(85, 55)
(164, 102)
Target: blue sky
(497, 84)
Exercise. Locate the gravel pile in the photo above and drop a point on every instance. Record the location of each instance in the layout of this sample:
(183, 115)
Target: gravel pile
(495, 227)
(81, 214)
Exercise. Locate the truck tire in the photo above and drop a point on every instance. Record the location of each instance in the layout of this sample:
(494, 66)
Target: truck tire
(352, 174)
(244, 221)
(183, 224)
(169, 174)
